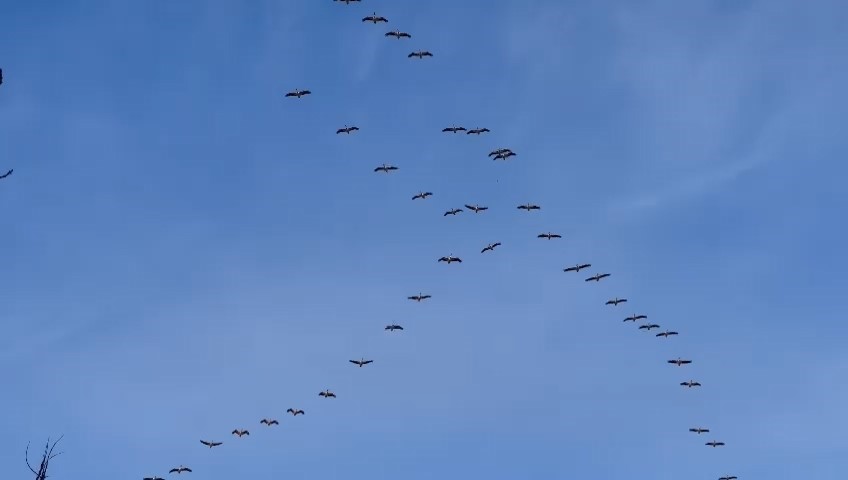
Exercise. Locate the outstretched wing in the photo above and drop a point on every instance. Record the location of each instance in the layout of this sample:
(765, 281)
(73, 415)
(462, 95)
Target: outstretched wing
(7, 173)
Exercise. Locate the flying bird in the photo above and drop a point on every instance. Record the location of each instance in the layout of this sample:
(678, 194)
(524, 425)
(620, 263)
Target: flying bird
(347, 130)
(347, 2)
(180, 470)
(452, 211)
(453, 129)
(529, 207)
(498, 151)
(699, 430)
(503, 155)
(374, 18)
(152, 478)
(296, 411)
(420, 54)
(616, 301)
(598, 277)
(477, 131)
(393, 327)
(690, 384)
(489, 247)
(422, 195)
(211, 444)
(714, 444)
(298, 93)
(450, 258)
(648, 327)
(398, 34)
(240, 433)
(548, 235)
(361, 362)
(269, 422)
(418, 297)
(666, 334)
(476, 208)
(327, 394)
(731, 477)
(7, 174)
(577, 267)
(385, 168)
(680, 362)
(634, 317)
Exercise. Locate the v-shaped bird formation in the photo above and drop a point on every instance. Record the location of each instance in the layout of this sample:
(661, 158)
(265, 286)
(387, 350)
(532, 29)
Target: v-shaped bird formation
(501, 153)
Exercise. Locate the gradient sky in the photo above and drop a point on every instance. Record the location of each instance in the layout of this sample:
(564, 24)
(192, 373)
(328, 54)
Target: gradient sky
(185, 251)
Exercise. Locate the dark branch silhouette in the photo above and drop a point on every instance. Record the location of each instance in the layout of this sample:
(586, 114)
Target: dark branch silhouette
(41, 473)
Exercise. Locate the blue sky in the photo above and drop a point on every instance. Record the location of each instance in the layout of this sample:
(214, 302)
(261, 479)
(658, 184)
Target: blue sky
(186, 251)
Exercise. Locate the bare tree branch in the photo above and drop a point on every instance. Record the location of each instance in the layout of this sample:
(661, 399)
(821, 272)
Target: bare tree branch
(48, 455)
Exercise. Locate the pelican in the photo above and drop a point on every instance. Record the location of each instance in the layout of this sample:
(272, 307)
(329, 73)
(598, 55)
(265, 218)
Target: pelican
(347, 130)
(361, 362)
(422, 195)
(498, 151)
(450, 258)
(211, 444)
(385, 168)
(615, 301)
(420, 54)
(634, 317)
(476, 208)
(548, 235)
(454, 129)
(296, 411)
(598, 277)
(327, 394)
(648, 327)
(690, 384)
(714, 444)
(298, 93)
(490, 246)
(503, 155)
(577, 267)
(393, 327)
(529, 206)
(269, 422)
(477, 131)
(180, 470)
(240, 433)
(699, 430)
(452, 211)
(418, 297)
(398, 34)
(374, 18)
(680, 362)
(666, 334)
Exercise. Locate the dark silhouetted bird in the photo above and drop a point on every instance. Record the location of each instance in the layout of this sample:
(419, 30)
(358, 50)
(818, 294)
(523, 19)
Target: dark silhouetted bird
(648, 327)
(418, 297)
(453, 129)
(398, 34)
(346, 129)
(529, 207)
(240, 433)
(699, 430)
(296, 411)
(728, 477)
(490, 246)
(385, 168)
(327, 394)
(420, 54)
(180, 470)
(422, 195)
(374, 18)
(7, 174)
(548, 235)
(634, 317)
(361, 362)
(504, 155)
(477, 131)
(680, 362)
(452, 211)
(476, 208)
(450, 258)
(690, 384)
(269, 421)
(211, 444)
(298, 93)
(597, 277)
(393, 327)
(666, 334)
(153, 478)
(498, 151)
(577, 267)
(616, 301)
(714, 444)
